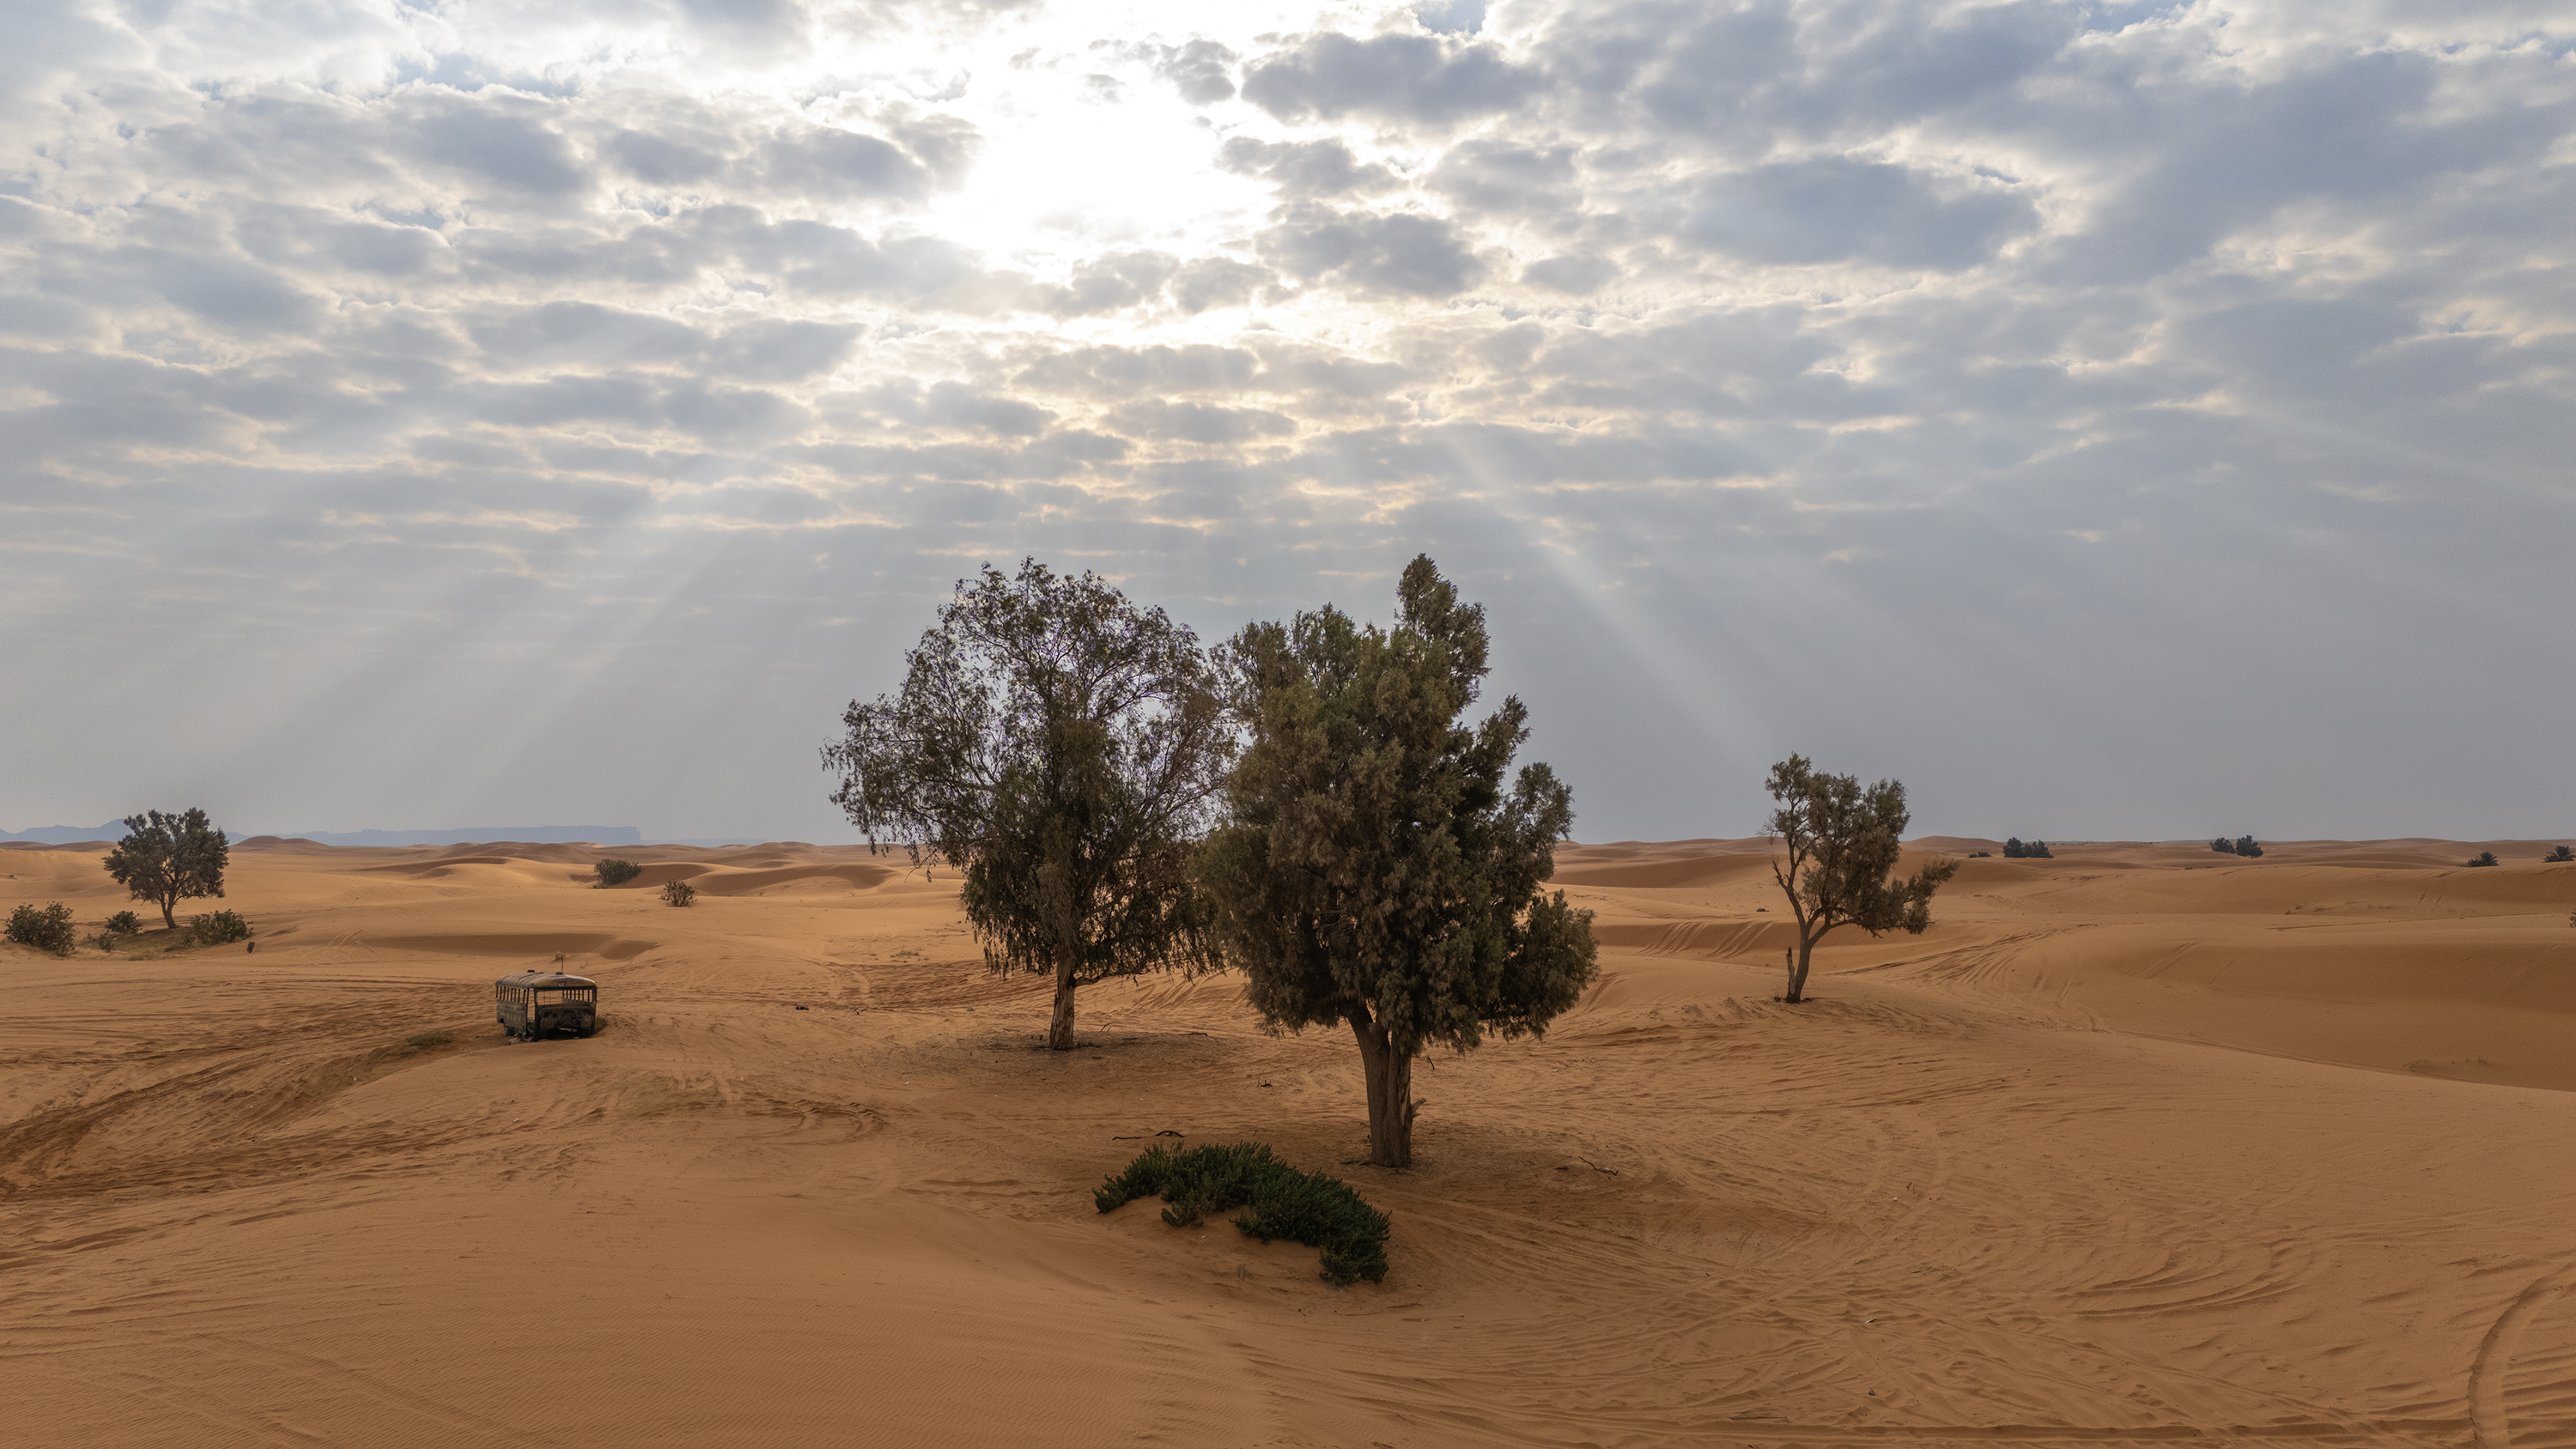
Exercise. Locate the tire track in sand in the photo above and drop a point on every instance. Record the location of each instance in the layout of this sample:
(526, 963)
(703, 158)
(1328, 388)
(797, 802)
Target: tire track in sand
(2489, 1426)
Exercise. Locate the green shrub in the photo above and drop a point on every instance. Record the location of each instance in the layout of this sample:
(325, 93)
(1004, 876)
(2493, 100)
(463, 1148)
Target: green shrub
(47, 930)
(124, 923)
(2485, 857)
(2560, 855)
(2247, 847)
(679, 893)
(2223, 845)
(1303, 1207)
(613, 872)
(217, 929)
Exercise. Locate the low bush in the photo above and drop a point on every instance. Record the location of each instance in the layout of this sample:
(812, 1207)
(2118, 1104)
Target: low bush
(217, 929)
(1303, 1207)
(125, 923)
(613, 872)
(679, 893)
(2246, 847)
(1980, 854)
(47, 930)
(2485, 857)
(2560, 856)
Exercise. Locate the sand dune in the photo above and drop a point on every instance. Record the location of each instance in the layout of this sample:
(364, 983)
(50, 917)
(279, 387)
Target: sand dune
(2140, 1142)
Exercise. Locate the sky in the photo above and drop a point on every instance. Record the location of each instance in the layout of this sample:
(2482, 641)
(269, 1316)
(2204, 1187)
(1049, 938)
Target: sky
(2113, 420)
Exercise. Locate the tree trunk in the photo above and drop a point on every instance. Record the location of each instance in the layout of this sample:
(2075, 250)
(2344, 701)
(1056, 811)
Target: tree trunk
(1799, 961)
(167, 919)
(1060, 1027)
(1057, 879)
(1390, 1093)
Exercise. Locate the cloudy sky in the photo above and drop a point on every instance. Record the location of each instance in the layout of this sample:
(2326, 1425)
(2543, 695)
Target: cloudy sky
(2116, 420)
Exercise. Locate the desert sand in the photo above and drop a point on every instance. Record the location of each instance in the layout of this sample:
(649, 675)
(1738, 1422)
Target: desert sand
(2137, 1143)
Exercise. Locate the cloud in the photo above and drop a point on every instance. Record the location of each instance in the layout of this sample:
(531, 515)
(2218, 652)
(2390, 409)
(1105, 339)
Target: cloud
(2074, 362)
(1198, 422)
(1398, 254)
(1393, 77)
(1201, 71)
(1303, 169)
(1111, 283)
(1216, 282)
(1110, 371)
(952, 404)
(829, 164)
(517, 152)
(1574, 275)
(662, 161)
(1840, 209)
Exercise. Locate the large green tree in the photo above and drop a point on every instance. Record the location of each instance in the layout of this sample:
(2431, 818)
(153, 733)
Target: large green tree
(1841, 846)
(166, 859)
(1374, 869)
(1060, 747)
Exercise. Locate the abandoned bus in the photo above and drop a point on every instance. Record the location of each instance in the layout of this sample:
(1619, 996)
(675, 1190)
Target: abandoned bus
(537, 1004)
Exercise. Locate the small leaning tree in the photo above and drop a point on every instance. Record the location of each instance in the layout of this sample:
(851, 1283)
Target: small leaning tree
(1374, 867)
(166, 859)
(1840, 871)
(1059, 746)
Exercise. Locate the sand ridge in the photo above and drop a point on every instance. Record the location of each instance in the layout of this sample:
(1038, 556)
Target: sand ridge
(2140, 1142)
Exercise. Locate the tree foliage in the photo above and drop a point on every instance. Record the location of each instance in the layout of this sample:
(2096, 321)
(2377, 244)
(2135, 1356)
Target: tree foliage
(1842, 844)
(2559, 855)
(2019, 849)
(1060, 747)
(1374, 868)
(2223, 846)
(166, 859)
(2247, 847)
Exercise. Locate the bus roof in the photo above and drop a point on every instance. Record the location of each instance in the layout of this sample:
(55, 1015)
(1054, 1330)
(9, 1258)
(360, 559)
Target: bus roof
(544, 979)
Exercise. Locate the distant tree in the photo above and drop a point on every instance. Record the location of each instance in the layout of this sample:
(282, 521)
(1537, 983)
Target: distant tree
(1060, 747)
(166, 859)
(2559, 856)
(615, 872)
(2012, 848)
(47, 930)
(2246, 847)
(2223, 845)
(2485, 857)
(2019, 849)
(1375, 868)
(1840, 871)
